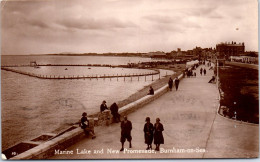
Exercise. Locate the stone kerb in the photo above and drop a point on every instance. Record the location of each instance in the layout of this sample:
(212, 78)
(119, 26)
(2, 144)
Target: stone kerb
(67, 139)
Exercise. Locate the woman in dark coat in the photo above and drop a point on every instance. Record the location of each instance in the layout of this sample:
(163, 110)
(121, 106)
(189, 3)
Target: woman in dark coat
(170, 83)
(148, 133)
(114, 112)
(158, 136)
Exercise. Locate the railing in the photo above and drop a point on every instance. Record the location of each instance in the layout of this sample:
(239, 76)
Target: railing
(7, 68)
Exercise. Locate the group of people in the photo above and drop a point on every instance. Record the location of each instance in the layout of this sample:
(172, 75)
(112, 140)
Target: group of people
(113, 109)
(170, 83)
(151, 133)
(203, 71)
(84, 122)
(190, 73)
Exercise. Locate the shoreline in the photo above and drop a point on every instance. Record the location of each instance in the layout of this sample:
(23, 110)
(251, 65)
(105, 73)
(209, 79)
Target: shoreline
(132, 97)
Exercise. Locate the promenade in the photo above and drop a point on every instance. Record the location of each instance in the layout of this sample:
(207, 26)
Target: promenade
(191, 123)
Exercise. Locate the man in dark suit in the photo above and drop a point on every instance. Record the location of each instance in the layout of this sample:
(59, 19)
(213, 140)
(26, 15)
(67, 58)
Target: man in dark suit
(103, 106)
(126, 127)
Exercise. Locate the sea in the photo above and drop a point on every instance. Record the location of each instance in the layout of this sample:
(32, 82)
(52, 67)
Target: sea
(31, 106)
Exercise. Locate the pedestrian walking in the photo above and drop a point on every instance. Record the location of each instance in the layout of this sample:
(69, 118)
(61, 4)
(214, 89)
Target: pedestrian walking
(84, 124)
(148, 133)
(205, 71)
(170, 83)
(126, 127)
(201, 71)
(158, 136)
(114, 112)
(103, 106)
(177, 81)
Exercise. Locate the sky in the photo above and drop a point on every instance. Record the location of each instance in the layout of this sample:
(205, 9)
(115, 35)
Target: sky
(101, 26)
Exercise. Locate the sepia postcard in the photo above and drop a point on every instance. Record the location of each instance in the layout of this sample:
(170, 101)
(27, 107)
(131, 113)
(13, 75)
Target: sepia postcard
(129, 79)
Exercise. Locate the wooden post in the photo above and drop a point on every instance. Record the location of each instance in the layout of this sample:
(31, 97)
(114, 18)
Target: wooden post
(145, 78)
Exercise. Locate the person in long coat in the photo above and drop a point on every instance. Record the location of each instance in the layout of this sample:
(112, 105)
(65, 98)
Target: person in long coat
(114, 112)
(126, 127)
(158, 136)
(148, 133)
(177, 81)
(170, 83)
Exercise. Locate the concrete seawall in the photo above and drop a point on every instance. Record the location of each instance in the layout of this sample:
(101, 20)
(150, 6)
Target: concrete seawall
(47, 149)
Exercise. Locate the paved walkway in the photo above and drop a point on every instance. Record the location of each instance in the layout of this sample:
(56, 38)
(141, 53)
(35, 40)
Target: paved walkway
(190, 123)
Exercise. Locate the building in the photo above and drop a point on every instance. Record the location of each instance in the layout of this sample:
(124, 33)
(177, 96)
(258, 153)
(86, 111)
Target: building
(157, 54)
(244, 59)
(225, 50)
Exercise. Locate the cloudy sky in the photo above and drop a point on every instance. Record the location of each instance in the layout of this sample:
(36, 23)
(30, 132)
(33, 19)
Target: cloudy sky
(79, 26)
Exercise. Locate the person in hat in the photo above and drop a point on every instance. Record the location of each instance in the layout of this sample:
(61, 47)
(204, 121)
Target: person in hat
(158, 136)
(103, 106)
(84, 124)
(126, 127)
(148, 133)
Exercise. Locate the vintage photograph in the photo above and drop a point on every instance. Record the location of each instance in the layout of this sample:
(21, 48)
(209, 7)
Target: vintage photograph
(129, 79)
